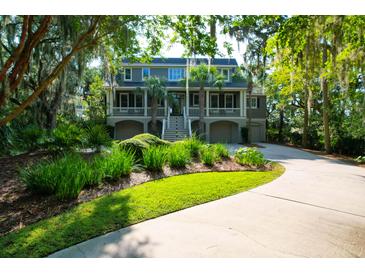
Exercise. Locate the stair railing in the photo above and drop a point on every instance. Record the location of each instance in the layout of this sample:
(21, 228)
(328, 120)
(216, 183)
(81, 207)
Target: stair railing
(189, 127)
(168, 117)
(185, 117)
(163, 128)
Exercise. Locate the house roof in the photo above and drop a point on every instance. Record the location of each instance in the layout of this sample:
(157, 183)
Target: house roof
(182, 61)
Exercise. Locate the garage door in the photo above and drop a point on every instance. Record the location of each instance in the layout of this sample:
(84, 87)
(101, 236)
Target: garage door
(224, 132)
(127, 129)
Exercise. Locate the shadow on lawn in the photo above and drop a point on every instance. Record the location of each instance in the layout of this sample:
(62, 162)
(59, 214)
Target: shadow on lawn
(83, 222)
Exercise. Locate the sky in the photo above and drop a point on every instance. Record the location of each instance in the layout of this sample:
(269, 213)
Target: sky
(177, 49)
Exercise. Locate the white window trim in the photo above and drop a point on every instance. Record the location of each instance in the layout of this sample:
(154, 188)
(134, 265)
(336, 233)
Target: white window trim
(210, 100)
(225, 100)
(169, 74)
(120, 101)
(125, 79)
(229, 74)
(250, 100)
(149, 72)
(197, 103)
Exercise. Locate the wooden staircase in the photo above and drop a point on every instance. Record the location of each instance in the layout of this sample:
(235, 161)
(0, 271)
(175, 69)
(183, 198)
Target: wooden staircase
(175, 130)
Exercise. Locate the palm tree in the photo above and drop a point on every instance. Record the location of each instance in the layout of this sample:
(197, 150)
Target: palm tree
(204, 75)
(156, 90)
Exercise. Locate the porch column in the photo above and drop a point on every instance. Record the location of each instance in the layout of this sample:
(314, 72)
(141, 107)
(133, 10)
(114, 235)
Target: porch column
(111, 100)
(187, 88)
(245, 103)
(241, 103)
(145, 103)
(207, 103)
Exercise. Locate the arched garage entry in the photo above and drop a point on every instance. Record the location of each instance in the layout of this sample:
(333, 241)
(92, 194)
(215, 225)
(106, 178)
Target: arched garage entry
(224, 132)
(127, 129)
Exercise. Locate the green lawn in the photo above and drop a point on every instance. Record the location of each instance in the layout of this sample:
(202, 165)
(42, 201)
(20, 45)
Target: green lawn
(127, 207)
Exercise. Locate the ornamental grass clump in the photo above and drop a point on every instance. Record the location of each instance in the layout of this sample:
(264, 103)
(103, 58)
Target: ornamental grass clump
(208, 155)
(178, 155)
(221, 151)
(194, 145)
(154, 158)
(118, 163)
(96, 136)
(250, 156)
(65, 177)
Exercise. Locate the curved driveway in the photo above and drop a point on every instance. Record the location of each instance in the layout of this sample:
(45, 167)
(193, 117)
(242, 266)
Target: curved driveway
(315, 209)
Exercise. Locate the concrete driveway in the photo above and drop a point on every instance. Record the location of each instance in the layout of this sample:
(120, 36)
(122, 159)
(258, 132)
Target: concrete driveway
(316, 209)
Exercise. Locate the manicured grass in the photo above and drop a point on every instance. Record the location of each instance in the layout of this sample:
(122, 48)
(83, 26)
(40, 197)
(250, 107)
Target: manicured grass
(127, 207)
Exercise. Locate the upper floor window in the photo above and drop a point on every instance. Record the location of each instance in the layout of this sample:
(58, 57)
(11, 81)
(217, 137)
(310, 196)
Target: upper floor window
(195, 99)
(127, 74)
(252, 102)
(176, 74)
(225, 73)
(145, 73)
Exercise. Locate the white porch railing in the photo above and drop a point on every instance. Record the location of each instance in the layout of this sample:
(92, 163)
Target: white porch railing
(128, 111)
(224, 112)
(215, 112)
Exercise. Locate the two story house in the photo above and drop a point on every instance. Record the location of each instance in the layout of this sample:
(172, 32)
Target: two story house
(226, 110)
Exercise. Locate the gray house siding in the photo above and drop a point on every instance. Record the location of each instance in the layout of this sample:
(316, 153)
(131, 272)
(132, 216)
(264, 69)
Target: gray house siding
(260, 111)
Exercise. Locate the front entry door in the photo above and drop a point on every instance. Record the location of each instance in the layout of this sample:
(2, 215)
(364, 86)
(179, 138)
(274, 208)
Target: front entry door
(178, 104)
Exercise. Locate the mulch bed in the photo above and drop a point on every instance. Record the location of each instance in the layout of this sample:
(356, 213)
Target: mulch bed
(20, 207)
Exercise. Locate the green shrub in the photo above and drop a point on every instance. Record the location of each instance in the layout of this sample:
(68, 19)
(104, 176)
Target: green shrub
(194, 145)
(249, 156)
(64, 177)
(178, 155)
(114, 165)
(96, 136)
(221, 151)
(151, 139)
(141, 142)
(208, 155)
(154, 158)
(66, 137)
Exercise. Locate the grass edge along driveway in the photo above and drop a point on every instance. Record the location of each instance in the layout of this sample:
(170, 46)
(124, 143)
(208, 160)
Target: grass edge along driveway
(127, 207)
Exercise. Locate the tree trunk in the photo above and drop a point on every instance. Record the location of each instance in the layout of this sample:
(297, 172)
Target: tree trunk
(281, 125)
(306, 99)
(326, 103)
(249, 92)
(154, 107)
(54, 74)
(201, 110)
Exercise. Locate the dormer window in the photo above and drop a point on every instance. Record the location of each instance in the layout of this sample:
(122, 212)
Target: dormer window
(127, 74)
(146, 73)
(225, 73)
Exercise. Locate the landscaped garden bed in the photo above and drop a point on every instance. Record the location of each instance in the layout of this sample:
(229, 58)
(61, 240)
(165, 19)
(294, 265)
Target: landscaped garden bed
(53, 187)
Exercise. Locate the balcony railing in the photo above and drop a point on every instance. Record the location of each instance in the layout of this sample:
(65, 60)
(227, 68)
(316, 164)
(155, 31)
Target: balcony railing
(160, 111)
(193, 111)
(128, 111)
(224, 112)
(216, 112)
